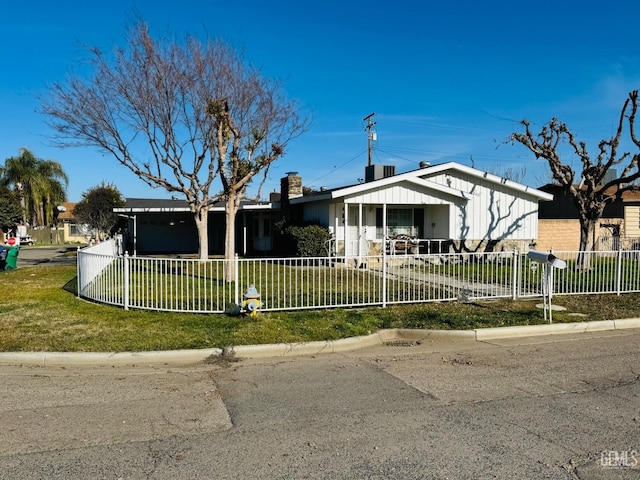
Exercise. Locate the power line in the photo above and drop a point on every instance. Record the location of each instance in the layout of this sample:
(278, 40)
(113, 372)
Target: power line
(338, 167)
(398, 151)
(403, 152)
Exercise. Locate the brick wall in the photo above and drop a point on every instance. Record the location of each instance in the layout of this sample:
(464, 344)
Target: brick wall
(565, 234)
(558, 235)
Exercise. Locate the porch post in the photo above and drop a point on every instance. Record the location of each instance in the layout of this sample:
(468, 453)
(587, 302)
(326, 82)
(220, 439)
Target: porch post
(336, 228)
(360, 229)
(384, 226)
(347, 250)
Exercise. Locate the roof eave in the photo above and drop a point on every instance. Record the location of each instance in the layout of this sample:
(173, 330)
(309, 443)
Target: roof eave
(219, 208)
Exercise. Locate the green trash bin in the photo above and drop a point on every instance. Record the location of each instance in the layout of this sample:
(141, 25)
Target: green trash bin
(11, 261)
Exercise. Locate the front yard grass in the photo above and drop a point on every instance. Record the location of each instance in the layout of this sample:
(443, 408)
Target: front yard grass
(39, 311)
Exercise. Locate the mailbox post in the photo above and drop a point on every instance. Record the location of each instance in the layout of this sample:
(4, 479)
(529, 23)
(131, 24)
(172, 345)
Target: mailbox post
(548, 261)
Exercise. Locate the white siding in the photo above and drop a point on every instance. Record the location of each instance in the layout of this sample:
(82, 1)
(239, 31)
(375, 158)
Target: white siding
(401, 194)
(437, 221)
(494, 212)
(462, 206)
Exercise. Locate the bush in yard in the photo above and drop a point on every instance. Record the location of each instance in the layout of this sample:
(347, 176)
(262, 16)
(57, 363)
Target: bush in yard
(309, 241)
(10, 210)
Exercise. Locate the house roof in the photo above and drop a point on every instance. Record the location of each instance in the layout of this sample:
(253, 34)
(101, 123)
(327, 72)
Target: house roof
(627, 195)
(67, 213)
(420, 177)
(631, 196)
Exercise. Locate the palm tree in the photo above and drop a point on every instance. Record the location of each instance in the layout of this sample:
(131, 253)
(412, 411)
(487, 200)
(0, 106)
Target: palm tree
(54, 197)
(48, 190)
(40, 184)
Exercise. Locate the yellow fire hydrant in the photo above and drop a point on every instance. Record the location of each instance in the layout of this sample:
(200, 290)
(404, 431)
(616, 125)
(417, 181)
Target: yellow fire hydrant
(251, 302)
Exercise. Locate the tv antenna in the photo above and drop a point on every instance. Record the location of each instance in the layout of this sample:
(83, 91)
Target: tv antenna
(371, 134)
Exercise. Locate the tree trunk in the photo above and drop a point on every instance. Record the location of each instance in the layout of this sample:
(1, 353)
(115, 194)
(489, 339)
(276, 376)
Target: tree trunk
(23, 202)
(587, 243)
(231, 210)
(201, 218)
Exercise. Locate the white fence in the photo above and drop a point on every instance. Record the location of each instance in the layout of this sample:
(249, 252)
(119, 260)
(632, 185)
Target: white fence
(191, 285)
(94, 260)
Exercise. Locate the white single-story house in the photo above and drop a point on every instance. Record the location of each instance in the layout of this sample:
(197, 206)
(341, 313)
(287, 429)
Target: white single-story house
(440, 208)
(436, 208)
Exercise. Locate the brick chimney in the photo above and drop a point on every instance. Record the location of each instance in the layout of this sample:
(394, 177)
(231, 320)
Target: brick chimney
(291, 186)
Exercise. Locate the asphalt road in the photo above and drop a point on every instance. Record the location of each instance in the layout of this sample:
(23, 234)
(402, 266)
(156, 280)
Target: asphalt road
(34, 255)
(561, 407)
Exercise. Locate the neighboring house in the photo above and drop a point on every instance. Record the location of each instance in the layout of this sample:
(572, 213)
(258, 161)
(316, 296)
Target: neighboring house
(439, 208)
(559, 226)
(168, 226)
(73, 232)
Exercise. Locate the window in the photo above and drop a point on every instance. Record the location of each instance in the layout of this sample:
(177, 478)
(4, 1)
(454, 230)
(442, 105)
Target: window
(400, 221)
(76, 230)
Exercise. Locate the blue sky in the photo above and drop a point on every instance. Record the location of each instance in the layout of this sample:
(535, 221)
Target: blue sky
(447, 82)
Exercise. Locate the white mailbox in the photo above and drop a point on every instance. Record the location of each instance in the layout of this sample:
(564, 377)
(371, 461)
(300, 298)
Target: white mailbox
(548, 261)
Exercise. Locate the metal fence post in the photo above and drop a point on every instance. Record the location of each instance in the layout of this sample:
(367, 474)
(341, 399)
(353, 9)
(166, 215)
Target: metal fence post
(125, 293)
(619, 272)
(80, 259)
(516, 275)
(384, 274)
(237, 279)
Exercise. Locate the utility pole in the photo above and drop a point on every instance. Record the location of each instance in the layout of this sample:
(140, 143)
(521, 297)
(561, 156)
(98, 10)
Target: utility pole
(371, 135)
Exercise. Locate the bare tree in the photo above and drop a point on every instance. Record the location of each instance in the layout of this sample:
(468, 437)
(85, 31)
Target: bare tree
(590, 192)
(178, 116)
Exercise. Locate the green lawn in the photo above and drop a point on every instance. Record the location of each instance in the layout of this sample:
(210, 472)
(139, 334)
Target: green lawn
(39, 311)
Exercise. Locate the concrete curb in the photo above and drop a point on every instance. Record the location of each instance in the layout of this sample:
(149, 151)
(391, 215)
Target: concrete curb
(61, 359)
(484, 334)
(346, 344)
(547, 329)
(186, 357)
(627, 323)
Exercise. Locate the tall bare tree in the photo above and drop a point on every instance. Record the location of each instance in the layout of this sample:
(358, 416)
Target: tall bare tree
(178, 115)
(590, 192)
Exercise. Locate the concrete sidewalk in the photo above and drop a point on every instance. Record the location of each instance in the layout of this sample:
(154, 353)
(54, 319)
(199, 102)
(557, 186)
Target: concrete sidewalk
(382, 337)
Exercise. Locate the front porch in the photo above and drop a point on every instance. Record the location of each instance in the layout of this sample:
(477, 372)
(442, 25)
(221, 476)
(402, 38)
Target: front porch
(367, 229)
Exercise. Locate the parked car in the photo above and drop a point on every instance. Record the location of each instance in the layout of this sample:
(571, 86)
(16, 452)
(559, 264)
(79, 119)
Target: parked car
(27, 240)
